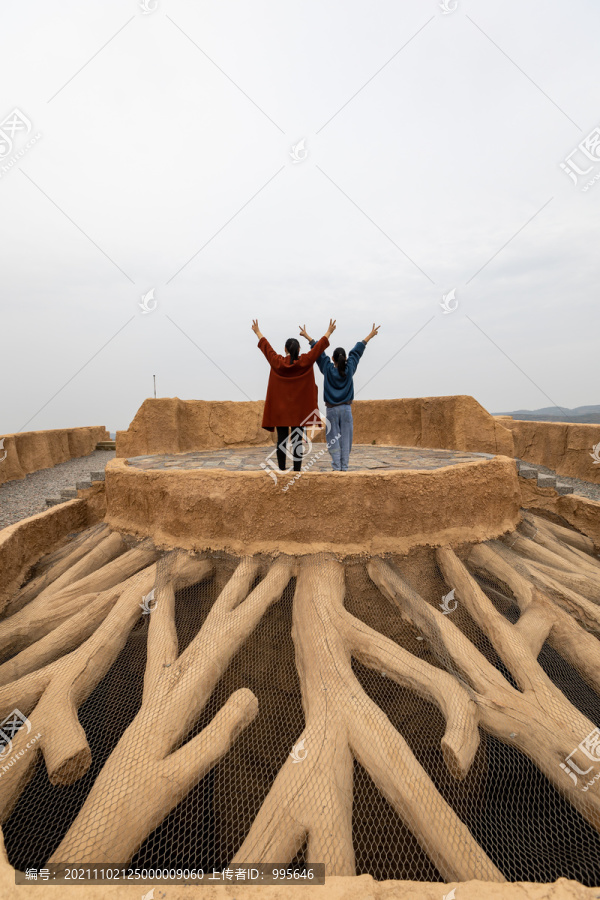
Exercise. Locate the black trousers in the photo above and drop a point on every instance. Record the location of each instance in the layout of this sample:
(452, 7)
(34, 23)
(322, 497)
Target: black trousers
(282, 436)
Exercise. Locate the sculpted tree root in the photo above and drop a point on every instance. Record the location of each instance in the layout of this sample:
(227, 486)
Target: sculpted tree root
(572, 546)
(561, 565)
(312, 799)
(537, 718)
(96, 553)
(565, 535)
(68, 545)
(146, 776)
(541, 619)
(67, 626)
(56, 564)
(51, 696)
(544, 578)
(104, 567)
(66, 637)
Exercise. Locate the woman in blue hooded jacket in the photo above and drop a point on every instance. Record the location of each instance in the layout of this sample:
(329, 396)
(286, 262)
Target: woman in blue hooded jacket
(338, 393)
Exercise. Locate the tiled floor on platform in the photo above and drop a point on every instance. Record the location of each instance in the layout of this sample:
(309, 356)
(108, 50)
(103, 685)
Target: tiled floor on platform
(362, 457)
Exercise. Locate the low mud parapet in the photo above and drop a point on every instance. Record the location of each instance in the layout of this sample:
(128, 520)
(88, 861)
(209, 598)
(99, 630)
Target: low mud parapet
(564, 447)
(580, 512)
(171, 425)
(28, 451)
(25, 542)
(344, 512)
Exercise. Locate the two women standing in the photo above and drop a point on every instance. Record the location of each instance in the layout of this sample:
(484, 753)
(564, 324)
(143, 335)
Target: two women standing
(292, 395)
(292, 391)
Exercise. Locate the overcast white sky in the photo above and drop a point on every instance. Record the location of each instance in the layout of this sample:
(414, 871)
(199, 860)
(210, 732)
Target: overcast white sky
(433, 145)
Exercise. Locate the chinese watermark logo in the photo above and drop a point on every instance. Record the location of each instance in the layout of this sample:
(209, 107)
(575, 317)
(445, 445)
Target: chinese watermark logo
(447, 6)
(148, 304)
(15, 122)
(312, 423)
(449, 302)
(312, 461)
(595, 454)
(299, 151)
(590, 749)
(146, 601)
(298, 751)
(9, 727)
(446, 601)
(15, 126)
(148, 6)
(577, 163)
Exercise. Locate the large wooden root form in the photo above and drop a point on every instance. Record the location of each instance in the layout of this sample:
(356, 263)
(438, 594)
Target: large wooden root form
(577, 574)
(541, 618)
(56, 564)
(149, 772)
(52, 695)
(311, 798)
(103, 567)
(537, 718)
(64, 630)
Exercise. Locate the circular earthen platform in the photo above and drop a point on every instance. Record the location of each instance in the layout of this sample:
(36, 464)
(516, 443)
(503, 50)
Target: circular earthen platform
(391, 500)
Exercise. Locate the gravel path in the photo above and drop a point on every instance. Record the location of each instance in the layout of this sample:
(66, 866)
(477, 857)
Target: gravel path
(27, 496)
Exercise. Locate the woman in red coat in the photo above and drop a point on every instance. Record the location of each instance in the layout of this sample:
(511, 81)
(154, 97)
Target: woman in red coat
(292, 391)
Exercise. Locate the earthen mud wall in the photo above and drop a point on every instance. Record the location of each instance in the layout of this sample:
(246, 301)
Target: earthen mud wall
(171, 425)
(245, 512)
(447, 423)
(28, 451)
(564, 447)
(580, 512)
(25, 542)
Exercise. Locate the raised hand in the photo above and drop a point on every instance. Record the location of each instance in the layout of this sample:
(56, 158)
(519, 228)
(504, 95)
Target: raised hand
(331, 328)
(256, 329)
(373, 332)
(304, 333)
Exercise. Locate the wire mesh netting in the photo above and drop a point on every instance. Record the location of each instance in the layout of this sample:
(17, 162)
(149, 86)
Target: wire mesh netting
(353, 712)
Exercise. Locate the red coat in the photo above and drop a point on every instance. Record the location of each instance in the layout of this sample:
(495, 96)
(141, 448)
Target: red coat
(292, 391)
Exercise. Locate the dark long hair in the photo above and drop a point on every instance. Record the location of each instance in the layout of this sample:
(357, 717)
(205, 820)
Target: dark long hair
(339, 357)
(292, 347)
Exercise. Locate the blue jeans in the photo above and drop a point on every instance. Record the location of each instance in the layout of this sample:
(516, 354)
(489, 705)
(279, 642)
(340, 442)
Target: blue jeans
(339, 422)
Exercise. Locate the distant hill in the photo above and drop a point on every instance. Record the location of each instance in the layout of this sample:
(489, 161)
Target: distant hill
(584, 414)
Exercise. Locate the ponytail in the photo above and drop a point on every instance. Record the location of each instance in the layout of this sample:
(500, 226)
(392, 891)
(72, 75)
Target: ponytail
(292, 347)
(339, 357)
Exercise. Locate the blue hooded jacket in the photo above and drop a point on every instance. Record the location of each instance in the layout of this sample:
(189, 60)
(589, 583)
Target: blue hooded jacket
(339, 388)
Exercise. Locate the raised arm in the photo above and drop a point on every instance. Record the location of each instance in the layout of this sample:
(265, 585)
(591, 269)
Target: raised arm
(317, 351)
(264, 346)
(372, 333)
(323, 360)
(358, 350)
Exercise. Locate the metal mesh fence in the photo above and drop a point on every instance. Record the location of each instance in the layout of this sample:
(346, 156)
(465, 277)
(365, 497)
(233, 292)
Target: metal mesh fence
(368, 786)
